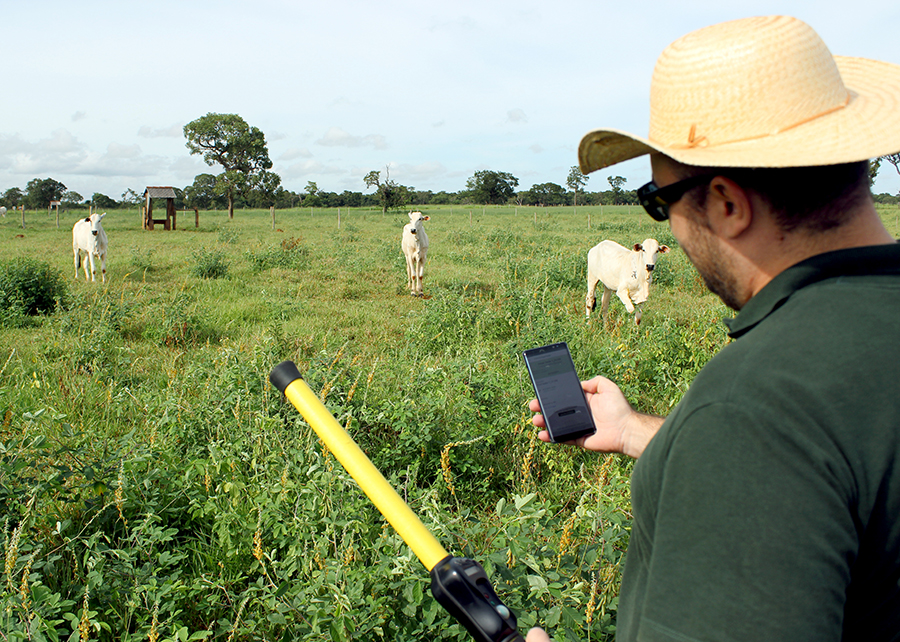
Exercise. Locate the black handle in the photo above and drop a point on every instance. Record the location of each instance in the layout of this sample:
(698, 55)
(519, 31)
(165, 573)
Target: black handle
(462, 587)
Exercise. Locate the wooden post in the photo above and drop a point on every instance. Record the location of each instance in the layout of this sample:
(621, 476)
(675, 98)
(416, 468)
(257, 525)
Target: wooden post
(196, 217)
(339, 218)
(168, 224)
(23, 217)
(272, 212)
(149, 221)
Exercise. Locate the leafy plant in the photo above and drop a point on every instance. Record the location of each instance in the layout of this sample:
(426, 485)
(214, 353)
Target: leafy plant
(209, 264)
(30, 287)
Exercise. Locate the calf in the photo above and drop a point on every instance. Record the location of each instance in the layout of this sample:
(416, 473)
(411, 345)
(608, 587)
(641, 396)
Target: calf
(415, 248)
(623, 271)
(89, 238)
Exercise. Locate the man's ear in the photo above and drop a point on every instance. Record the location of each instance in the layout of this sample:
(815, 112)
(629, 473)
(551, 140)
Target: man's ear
(729, 207)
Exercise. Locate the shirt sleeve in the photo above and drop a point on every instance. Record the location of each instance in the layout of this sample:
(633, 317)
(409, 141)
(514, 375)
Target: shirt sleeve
(746, 530)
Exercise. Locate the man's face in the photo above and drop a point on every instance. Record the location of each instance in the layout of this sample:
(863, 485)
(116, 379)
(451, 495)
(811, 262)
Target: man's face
(691, 229)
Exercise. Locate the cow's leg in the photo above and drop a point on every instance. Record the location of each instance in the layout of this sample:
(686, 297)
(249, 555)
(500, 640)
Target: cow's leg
(409, 273)
(103, 267)
(75, 251)
(622, 293)
(93, 268)
(417, 276)
(604, 301)
(591, 299)
(637, 315)
(86, 264)
(420, 285)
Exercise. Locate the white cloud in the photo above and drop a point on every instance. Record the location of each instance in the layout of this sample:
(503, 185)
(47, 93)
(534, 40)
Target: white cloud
(78, 115)
(294, 153)
(337, 137)
(172, 131)
(115, 150)
(516, 116)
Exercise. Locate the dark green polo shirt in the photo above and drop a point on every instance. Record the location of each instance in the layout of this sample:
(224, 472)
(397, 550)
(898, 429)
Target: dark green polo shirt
(767, 508)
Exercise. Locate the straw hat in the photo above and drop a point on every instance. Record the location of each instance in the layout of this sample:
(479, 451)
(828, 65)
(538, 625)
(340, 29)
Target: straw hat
(760, 92)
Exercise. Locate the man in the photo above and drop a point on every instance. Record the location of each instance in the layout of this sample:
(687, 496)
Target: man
(767, 505)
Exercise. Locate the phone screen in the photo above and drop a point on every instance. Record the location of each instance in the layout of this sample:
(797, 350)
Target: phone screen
(559, 392)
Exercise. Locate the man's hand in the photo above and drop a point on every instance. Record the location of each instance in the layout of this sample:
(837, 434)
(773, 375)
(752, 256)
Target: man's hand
(537, 635)
(619, 428)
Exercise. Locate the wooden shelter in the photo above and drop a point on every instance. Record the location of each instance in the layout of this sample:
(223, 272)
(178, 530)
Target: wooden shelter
(167, 193)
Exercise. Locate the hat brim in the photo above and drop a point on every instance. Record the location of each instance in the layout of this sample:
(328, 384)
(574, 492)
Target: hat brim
(867, 127)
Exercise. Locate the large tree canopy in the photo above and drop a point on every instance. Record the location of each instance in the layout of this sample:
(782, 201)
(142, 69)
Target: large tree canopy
(491, 187)
(227, 140)
(40, 191)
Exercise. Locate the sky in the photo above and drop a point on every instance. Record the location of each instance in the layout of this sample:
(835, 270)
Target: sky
(96, 93)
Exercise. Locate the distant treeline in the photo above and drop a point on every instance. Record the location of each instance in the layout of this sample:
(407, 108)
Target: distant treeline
(40, 192)
(546, 194)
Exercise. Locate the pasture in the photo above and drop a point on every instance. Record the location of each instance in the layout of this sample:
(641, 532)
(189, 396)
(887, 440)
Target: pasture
(155, 486)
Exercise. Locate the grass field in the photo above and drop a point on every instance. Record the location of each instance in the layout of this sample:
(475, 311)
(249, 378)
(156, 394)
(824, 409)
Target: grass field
(154, 485)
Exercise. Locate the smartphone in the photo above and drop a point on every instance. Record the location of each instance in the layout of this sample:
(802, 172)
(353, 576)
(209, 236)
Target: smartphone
(558, 389)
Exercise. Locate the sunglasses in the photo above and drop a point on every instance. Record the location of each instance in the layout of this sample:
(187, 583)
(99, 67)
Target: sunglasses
(656, 200)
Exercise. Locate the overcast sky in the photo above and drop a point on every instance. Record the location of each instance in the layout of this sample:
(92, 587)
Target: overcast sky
(95, 93)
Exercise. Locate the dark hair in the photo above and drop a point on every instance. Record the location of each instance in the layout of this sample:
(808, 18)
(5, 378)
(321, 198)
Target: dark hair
(814, 198)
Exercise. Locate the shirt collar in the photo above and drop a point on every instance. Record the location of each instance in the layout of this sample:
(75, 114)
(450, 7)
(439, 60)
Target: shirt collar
(871, 260)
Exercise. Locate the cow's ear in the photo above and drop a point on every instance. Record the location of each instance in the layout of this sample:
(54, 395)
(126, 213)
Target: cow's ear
(427, 218)
(638, 247)
(663, 249)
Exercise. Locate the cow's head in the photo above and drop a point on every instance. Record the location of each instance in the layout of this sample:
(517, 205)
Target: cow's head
(94, 220)
(416, 219)
(650, 249)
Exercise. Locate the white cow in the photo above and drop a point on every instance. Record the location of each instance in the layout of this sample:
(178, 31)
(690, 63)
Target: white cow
(89, 237)
(3, 212)
(415, 248)
(623, 271)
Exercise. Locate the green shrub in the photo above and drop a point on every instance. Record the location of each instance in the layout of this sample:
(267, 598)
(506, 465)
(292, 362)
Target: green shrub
(30, 286)
(209, 264)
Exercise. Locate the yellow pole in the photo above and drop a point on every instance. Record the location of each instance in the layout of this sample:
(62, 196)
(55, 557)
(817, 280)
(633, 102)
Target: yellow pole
(374, 485)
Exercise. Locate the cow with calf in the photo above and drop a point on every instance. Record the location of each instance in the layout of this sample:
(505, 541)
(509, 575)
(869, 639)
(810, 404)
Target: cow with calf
(627, 272)
(89, 240)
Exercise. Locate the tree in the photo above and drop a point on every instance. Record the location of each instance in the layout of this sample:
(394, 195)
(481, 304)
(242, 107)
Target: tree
(72, 199)
(12, 197)
(227, 140)
(312, 195)
(202, 193)
(102, 201)
(874, 166)
(893, 159)
(130, 197)
(576, 181)
(616, 182)
(391, 195)
(490, 187)
(545, 194)
(39, 192)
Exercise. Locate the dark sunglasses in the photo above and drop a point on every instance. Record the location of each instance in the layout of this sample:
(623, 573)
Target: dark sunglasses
(656, 200)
